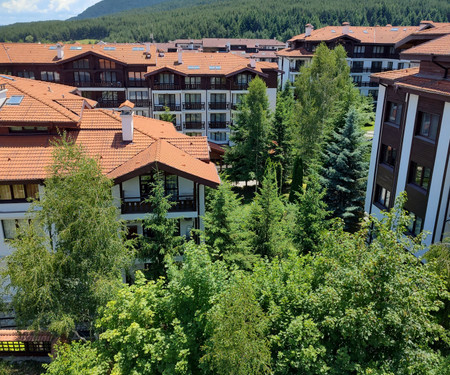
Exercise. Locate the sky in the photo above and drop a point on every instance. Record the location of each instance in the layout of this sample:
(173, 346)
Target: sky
(12, 11)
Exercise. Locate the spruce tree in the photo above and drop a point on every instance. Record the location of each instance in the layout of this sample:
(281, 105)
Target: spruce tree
(297, 179)
(250, 135)
(344, 172)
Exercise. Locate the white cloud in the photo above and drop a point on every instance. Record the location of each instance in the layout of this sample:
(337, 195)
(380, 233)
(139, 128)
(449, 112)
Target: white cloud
(38, 10)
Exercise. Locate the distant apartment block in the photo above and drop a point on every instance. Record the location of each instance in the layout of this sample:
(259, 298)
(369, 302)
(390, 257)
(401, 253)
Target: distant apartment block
(369, 50)
(410, 150)
(202, 90)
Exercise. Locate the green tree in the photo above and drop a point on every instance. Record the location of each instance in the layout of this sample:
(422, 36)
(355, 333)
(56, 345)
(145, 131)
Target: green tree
(167, 116)
(238, 344)
(250, 135)
(321, 89)
(161, 242)
(68, 260)
(225, 232)
(282, 133)
(268, 219)
(345, 171)
(297, 179)
(310, 220)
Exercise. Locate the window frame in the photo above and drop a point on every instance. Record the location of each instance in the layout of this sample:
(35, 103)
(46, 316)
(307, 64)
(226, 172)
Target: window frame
(432, 135)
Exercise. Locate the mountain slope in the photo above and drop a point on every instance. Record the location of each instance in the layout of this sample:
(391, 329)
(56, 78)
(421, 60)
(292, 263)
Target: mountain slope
(231, 19)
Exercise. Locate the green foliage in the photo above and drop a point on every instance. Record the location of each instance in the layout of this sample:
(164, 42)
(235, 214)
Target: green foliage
(322, 89)
(167, 116)
(250, 135)
(162, 242)
(226, 18)
(344, 172)
(310, 223)
(76, 359)
(268, 219)
(68, 260)
(238, 344)
(225, 233)
(297, 179)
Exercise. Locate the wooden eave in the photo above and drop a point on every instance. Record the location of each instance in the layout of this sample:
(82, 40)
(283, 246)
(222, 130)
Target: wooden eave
(247, 69)
(164, 68)
(87, 53)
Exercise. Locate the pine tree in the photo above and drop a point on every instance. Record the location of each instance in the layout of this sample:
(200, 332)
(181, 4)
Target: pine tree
(250, 135)
(161, 240)
(297, 179)
(344, 172)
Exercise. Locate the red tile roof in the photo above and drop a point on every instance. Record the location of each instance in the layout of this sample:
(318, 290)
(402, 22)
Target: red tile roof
(437, 47)
(294, 52)
(364, 34)
(411, 79)
(99, 131)
(24, 335)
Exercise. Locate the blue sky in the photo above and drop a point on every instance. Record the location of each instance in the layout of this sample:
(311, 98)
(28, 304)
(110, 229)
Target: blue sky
(12, 11)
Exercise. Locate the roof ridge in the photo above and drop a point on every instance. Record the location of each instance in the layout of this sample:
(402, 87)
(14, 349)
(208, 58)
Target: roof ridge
(6, 51)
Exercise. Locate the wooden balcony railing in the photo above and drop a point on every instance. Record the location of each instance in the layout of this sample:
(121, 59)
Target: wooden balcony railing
(166, 86)
(191, 105)
(136, 205)
(218, 124)
(109, 103)
(219, 105)
(194, 125)
(141, 102)
(239, 86)
(192, 86)
(218, 86)
(171, 106)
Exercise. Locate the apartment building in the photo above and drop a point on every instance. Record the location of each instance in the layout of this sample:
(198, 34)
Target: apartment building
(128, 147)
(201, 90)
(410, 150)
(369, 50)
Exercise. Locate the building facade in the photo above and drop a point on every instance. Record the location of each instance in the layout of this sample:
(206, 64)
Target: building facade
(201, 90)
(410, 150)
(129, 149)
(369, 50)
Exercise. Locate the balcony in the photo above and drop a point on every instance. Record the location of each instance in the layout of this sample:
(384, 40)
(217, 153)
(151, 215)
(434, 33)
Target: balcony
(235, 106)
(162, 107)
(136, 205)
(178, 127)
(219, 124)
(141, 102)
(366, 84)
(369, 70)
(192, 86)
(166, 86)
(219, 105)
(218, 86)
(195, 106)
(239, 86)
(109, 103)
(197, 125)
(137, 83)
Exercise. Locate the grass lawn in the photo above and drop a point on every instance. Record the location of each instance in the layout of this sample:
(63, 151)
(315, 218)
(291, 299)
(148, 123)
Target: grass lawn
(369, 128)
(21, 368)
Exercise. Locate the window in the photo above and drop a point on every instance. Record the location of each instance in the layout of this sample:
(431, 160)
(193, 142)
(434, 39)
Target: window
(374, 94)
(50, 76)
(382, 196)
(145, 188)
(390, 64)
(218, 98)
(166, 99)
(376, 66)
(193, 98)
(18, 192)
(194, 134)
(217, 82)
(192, 82)
(109, 77)
(243, 79)
(400, 65)
(416, 224)
(357, 66)
(393, 112)
(80, 77)
(391, 52)
(109, 96)
(357, 80)
(10, 227)
(166, 78)
(28, 129)
(24, 74)
(428, 125)
(218, 117)
(14, 100)
(138, 95)
(171, 186)
(218, 136)
(106, 64)
(388, 155)
(81, 64)
(359, 49)
(136, 77)
(193, 117)
(377, 50)
(419, 175)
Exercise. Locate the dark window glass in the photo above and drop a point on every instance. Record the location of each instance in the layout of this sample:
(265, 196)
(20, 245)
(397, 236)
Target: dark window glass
(416, 224)
(81, 77)
(107, 64)
(393, 112)
(81, 64)
(382, 196)
(388, 155)
(171, 186)
(146, 181)
(420, 175)
(428, 125)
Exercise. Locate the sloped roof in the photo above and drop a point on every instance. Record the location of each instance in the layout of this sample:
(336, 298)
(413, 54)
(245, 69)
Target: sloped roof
(412, 80)
(436, 47)
(200, 63)
(364, 34)
(99, 131)
(294, 52)
(24, 335)
(249, 43)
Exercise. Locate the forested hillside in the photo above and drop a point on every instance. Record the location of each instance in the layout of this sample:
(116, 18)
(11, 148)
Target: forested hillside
(229, 18)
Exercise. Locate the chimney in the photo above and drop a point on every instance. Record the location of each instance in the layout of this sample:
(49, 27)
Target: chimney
(228, 46)
(180, 56)
(252, 63)
(59, 51)
(424, 24)
(308, 29)
(147, 47)
(345, 27)
(126, 114)
(3, 91)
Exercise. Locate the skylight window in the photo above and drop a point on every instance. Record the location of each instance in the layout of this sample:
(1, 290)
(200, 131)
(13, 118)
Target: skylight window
(394, 29)
(333, 31)
(6, 77)
(109, 48)
(14, 100)
(76, 48)
(193, 67)
(365, 32)
(215, 67)
(138, 48)
(52, 47)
